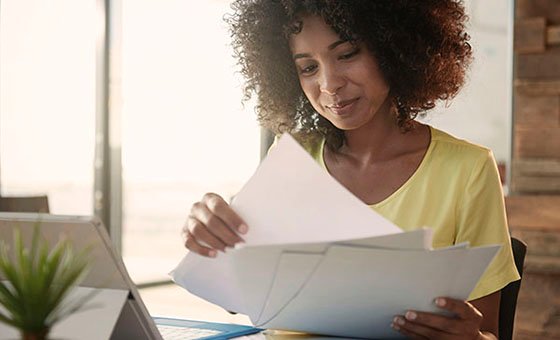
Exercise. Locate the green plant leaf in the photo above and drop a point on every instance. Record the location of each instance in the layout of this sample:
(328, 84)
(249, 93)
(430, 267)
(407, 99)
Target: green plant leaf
(12, 276)
(40, 279)
(8, 300)
(71, 272)
(78, 305)
(5, 319)
(35, 240)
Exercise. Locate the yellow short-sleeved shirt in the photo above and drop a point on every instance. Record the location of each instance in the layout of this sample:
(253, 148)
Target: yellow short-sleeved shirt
(456, 191)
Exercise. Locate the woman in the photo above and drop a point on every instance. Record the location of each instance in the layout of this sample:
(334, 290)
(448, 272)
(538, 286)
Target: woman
(348, 79)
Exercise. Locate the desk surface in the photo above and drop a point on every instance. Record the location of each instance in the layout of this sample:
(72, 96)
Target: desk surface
(279, 335)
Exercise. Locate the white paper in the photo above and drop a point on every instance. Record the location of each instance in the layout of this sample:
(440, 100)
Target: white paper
(292, 273)
(415, 239)
(291, 199)
(250, 272)
(356, 291)
(211, 279)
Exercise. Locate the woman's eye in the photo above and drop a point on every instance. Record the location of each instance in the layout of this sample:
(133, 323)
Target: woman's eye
(350, 55)
(308, 69)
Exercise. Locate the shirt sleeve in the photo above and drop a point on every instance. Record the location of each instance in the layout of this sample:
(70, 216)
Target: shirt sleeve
(482, 221)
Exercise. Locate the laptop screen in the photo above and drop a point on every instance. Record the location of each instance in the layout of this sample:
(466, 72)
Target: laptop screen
(116, 307)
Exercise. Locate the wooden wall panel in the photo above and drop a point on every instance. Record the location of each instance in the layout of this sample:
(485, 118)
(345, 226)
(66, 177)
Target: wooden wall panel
(535, 184)
(538, 317)
(537, 166)
(543, 142)
(536, 176)
(553, 35)
(534, 211)
(539, 8)
(537, 87)
(535, 219)
(537, 111)
(530, 35)
(542, 66)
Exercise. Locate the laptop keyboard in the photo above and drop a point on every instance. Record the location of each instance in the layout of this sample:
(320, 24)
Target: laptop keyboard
(184, 333)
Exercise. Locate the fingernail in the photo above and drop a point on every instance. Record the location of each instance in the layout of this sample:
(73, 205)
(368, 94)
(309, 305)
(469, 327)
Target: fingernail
(398, 320)
(440, 302)
(395, 327)
(242, 228)
(212, 253)
(410, 315)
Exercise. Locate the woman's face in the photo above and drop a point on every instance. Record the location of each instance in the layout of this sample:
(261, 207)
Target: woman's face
(341, 80)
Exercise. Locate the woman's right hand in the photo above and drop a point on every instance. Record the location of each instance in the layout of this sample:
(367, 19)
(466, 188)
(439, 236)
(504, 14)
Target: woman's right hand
(212, 225)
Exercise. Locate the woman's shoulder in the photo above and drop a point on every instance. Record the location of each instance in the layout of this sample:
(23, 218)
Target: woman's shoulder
(449, 146)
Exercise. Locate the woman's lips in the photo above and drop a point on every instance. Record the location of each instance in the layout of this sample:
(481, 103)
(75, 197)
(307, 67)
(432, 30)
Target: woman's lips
(343, 107)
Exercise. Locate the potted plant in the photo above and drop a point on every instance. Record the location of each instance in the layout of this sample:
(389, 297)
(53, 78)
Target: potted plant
(38, 281)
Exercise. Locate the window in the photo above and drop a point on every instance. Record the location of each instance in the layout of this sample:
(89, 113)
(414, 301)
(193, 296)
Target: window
(184, 130)
(47, 101)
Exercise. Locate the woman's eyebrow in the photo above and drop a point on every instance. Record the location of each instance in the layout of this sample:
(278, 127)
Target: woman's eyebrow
(336, 43)
(301, 55)
(330, 48)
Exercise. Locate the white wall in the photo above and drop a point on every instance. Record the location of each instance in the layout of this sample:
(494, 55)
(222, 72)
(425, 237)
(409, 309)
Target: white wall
(481, 113)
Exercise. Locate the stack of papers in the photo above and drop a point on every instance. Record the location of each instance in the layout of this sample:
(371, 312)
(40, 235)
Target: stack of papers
(318, 260)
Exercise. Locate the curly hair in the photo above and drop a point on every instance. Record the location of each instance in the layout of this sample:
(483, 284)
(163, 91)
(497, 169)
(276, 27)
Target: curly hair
(422, 48)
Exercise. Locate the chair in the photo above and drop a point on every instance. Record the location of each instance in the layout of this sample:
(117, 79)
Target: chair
(25, 204)
(508, 300)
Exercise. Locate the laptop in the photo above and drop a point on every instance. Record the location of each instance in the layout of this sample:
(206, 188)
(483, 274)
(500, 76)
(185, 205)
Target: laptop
(116, 311)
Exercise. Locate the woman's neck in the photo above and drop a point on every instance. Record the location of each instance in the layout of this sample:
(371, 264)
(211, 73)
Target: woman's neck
(378, 140)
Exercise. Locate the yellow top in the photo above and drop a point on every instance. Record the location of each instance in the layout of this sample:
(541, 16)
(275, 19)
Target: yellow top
(456, 191)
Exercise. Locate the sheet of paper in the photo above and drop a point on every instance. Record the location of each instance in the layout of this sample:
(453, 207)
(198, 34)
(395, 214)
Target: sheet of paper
(250, 271)
(469, 274)
(292, 273)
(416, 239)
(212, 279)
(94, 323)
(356, 291)
(255, 269)
(291, 199)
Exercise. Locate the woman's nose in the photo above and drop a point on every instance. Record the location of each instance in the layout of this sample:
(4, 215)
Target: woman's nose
(330, 82)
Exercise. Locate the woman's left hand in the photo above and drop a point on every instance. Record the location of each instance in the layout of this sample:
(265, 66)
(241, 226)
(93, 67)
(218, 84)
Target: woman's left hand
(422, 325)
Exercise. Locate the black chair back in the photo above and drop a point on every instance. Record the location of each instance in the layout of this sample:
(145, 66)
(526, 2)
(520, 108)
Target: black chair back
(508, 300)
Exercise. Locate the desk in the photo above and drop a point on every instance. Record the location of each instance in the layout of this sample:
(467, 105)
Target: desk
(279, 335)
